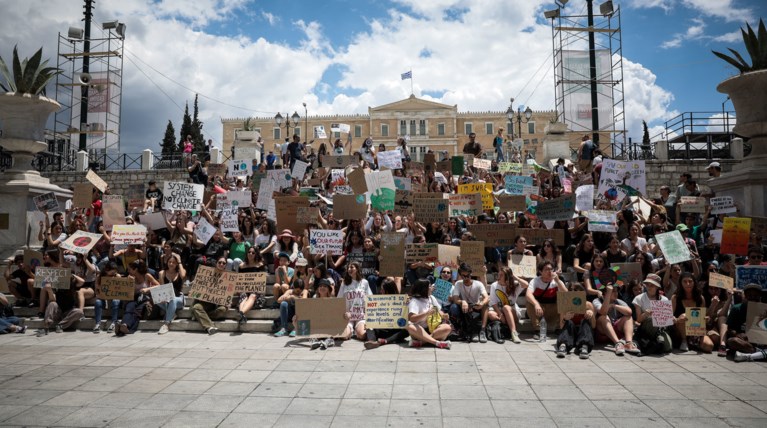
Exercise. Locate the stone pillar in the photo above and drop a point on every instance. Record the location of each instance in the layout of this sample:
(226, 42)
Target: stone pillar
(556, 144)
(215, 155)
(147, 160)
(661, 150)
(736, 148)
(82, 161)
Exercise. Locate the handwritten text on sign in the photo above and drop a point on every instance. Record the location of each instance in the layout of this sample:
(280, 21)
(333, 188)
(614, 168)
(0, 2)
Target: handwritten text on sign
(208, 287)
(115, 288)
(182, 196)
(386, 311)
(662, 313)
(326, 241)
(57, 277)
(128, 234)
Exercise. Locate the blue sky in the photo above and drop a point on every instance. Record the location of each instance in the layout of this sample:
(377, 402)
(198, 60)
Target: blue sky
(250, 57)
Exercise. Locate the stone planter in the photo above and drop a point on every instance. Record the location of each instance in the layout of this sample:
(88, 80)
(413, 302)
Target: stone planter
(23, 119)
(748, 93)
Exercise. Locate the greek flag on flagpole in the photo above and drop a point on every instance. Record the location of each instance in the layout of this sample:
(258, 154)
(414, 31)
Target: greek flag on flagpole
(408, 75)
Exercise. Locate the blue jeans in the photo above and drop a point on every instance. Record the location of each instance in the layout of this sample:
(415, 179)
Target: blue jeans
(99, 310)
(6, 322)
(171, 307)
(286, 314)
(373, 283)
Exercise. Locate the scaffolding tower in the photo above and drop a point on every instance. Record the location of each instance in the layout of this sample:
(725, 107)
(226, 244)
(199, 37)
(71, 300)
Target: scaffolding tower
(573, 81)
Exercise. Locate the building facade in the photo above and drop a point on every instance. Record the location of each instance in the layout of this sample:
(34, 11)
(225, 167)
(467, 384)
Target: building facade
(429, 125)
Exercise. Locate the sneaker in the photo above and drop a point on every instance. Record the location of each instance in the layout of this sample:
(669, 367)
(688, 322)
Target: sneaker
(684, 347)
(515, 337)
(213, 330)
(163, 329)
(329, 343)
(561, 351)
(415, 343)
(111, 327)
(620, 348)
(97, 328)
(371, 344)
(21, 329)
(444, 344)
(632, 348)
(292, 333)
(536, 337)
(243, 319)
(482, 336)
(41, 332)
(475, 338)
(123, 329)
(315, 344)
(59, 329)
(281, 332)
(584, 355)
(722, 351)
(741, 357)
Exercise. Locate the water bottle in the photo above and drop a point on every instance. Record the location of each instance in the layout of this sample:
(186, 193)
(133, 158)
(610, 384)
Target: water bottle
(542, 332)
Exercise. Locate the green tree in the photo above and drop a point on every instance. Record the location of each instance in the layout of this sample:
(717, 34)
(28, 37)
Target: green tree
(186, 128)
(197, 137)
(169, 140)
(645, 134)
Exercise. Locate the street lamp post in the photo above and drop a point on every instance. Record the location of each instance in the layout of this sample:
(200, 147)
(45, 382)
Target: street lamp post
(528, 114)
(293, 120)
(306, 124)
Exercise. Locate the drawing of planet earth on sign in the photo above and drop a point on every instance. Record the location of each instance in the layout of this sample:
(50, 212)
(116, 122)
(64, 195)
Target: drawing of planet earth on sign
(577, 301)
(382, 199)
(82, 241)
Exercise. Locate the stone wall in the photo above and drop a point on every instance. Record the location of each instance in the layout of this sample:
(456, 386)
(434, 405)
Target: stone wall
(667, 173)
(119, 180)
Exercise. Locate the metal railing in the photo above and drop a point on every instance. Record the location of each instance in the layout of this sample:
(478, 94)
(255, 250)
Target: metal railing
(700, 135)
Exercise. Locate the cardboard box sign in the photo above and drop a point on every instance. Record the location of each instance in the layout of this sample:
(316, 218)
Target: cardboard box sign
(386, 311)
(468, 205)
(443, 255)
(212, 287)
(720, 281)
(473, 254)
(692, 204)
(571, 301)
(756, 323)
(403, 202)
(523, 266)
(83, 195)
(320, 317)
(287, 213)
(512, 203)
(558, 209)
(97, 181)
(349, 207)
(695, 325)
(431, 210)
(81, 242)
(662, 313)
(182, 196)
(329, 161)
(59, 278)
(115, 288)
(357, 180)
(392, 254)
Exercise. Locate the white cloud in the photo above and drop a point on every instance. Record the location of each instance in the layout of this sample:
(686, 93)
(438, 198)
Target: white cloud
(694, 32)
(648, 4)
(725, 9)
(270, 17)
(644, 99)
(733, 37)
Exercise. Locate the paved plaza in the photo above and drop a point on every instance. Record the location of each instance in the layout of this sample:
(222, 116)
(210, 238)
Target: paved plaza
(191, 379)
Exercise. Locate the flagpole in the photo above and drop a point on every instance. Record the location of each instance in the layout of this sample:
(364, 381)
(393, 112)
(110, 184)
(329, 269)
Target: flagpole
(411, 81)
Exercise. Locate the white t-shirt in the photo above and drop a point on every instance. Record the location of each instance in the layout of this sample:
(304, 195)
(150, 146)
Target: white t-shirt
(494, 300)
(419, 305)
(354, 294)
(643, 301)
(472, 295)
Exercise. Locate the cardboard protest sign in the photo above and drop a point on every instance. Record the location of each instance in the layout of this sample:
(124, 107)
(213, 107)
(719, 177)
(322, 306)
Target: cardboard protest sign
(662, 313)
(381, 188)
(182, 196)
(485, 164)
(154, 221)
(390, 159)
(442, 290)
(403, 183)
(96, 181)
(116, 288)
(279, 179)
(356, 178)
(320, 317)
(494, 235)
(674, 248)
(350, 207)
(216, 169)
(456, 165)
(386, 311)
(422, 252)
(629, 176)
(241, 198)
(403, 202)
(239, 167)
(250, 282)
(745, 275)
(429, 210)
(33, 258)
(80, 242)
(717, 235)
(442, 166)
(83, 195)
(162, 293)
(128, 234)
(299, 169)
(322, 241)
(756, 323)
(59, 278)
(287, 212)
(307, 215)
(484, 189)
(392, 254)
(561, 208)
(736, 235)
(720, 281)
(695, 324)
(204, 231)
(473, 254)
(515, 184)
(469, 204)
(229, 220)
(692, 204)
(329, 161)
(759, 226)
(512, 203)
(602, 221)
(113, 211)
(510, 167)
(46, 202)
(723, 205)
(628, 271)
(571, 301)
(210, 286)
(429, 162)
(524, 266)
(340, 127)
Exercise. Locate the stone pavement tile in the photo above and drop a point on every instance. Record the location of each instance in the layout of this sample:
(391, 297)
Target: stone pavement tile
(522, 409)
(372, 378)
(457, 392)
(185, 419)
(89, 372)
(746, 422)
(344, 421)
(276, 390)
(585, 378)
(143, 418)
(230, 364)
(510, 392)
(297, 366)
(113, 361)
(424, 354)
(631, 379)
(185, 363)
(48, 415)
(679, 379)
(376, 366)
(467, 407)
(426, 392)
(746, 392)
(697, 422)
(559, 379)
(188, 387)
(491, 356)
(246, 376)
(91, 417)
(169, 373)
(455, 356)
(620, 366)
(214, 375)
(459, 379)
(417, 367)
(49, 371)
(320, 390)
(677, 408)
(702, 367)
(233, 353)
(651, 392)
(328, 377)
(313, 406)
(606, 392)
(656, 365)
(237, 420)
(456, 367)
(7, 412)
(127, 372)
(698, 392)
(415, 407)
(407, 378)
(149, 362)
(630, 422)
(263, 405)
(623, 408)
(214, 403)
(337, 366)
(731, 409)
(231, 388)
(253, 364)
(575, 422)
(166, 401)
(515, 422)
(557, 392)
(16, 369)
(121, 400)
(146, 384)
(760, 378)
(363, 407)
(573, 364)
(504, 379)
(293, 421)
(271, 354)
(571, 409)
(25, 382)
(280, 377)
(729, 378)
(537, 367)
(463, 422)
(370, 391)
(73, 398)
